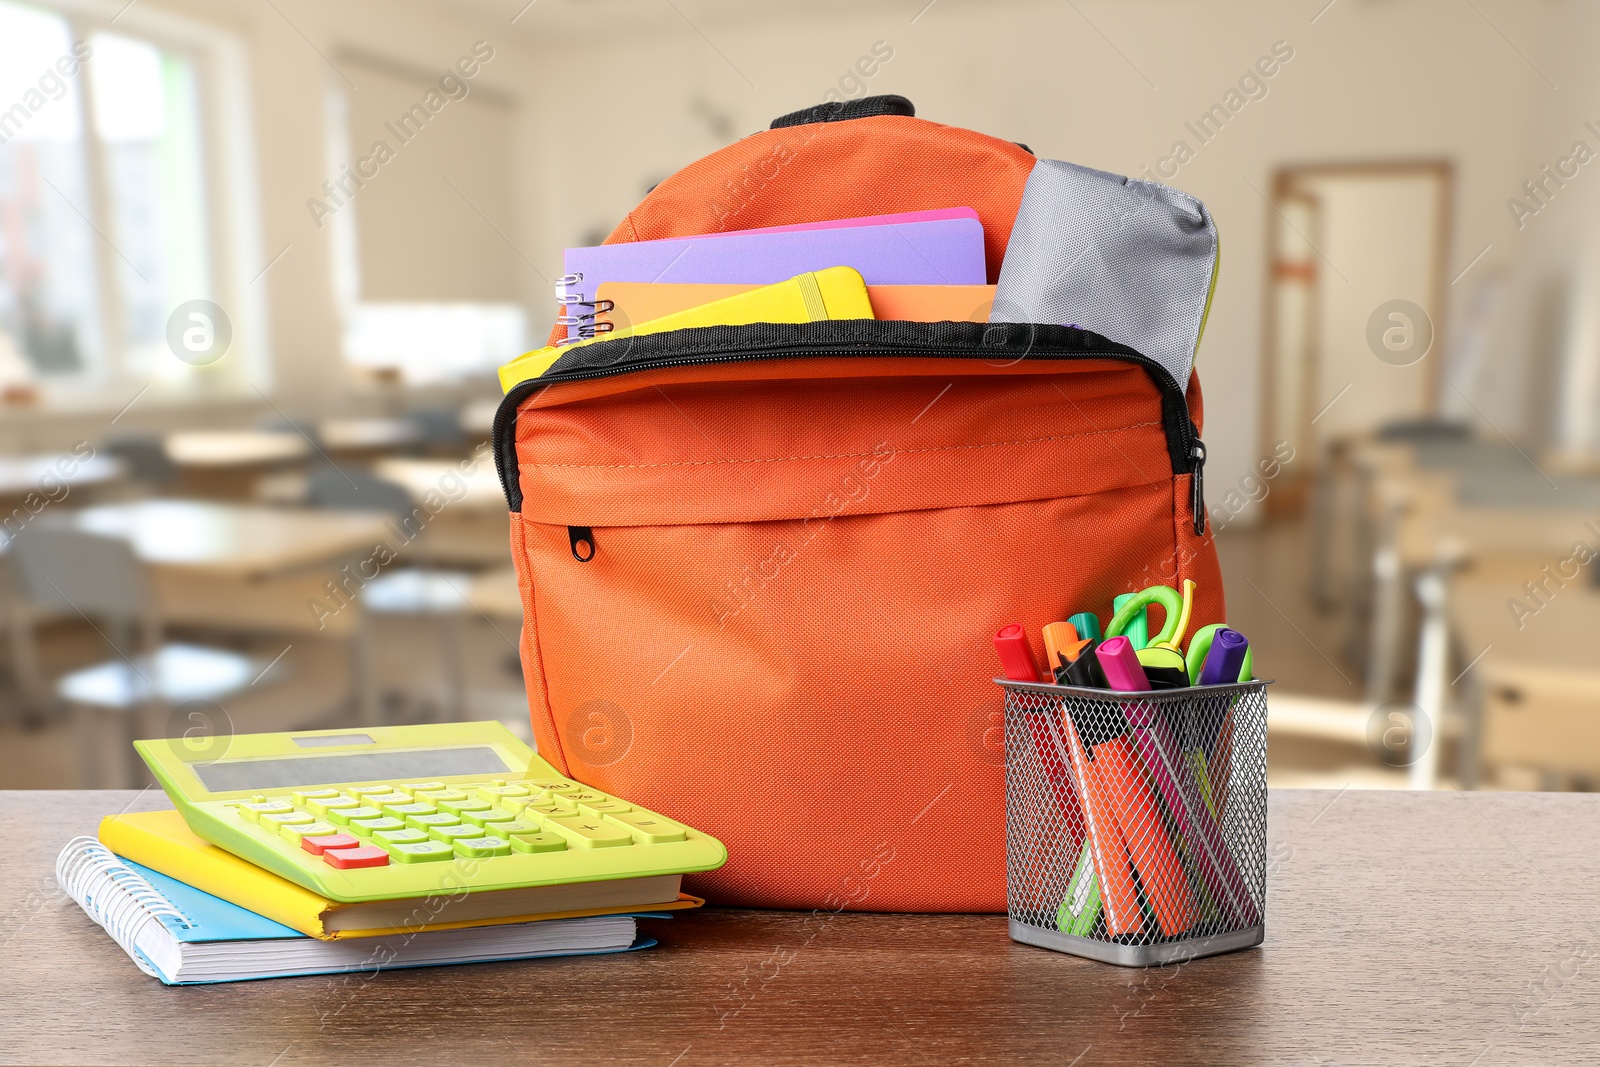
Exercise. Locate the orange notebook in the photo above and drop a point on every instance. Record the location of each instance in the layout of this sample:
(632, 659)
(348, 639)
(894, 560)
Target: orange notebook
(636, 302)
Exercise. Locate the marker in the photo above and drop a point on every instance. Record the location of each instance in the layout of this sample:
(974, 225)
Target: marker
(1160, 870)
(1058, 636)
(1180, 626)
(1105, 840)
(1085, 671)
(1225, 661)
(1081, 908)
(1137, 626)
(1161, 757)
(1087, 623)
(1164, 667)
(1200, 645)
(1016, 658)
(1133, 614)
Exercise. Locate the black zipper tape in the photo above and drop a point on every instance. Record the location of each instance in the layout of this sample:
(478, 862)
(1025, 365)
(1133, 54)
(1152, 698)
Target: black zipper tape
(1003, 343)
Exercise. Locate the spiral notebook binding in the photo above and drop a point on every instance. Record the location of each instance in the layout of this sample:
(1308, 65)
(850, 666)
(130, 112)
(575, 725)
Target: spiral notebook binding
(114, 895)
(582, 325)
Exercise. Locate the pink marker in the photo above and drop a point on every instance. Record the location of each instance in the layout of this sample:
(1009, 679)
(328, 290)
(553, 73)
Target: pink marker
(1159, 753)
(1121, 665)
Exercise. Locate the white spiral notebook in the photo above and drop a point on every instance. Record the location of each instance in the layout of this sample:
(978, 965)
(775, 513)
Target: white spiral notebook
(182, 936)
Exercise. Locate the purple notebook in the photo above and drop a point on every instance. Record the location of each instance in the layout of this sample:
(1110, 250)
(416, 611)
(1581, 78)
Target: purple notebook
(940, 252)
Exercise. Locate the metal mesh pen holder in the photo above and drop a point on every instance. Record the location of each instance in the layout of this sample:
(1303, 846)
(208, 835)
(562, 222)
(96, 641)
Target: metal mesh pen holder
(1136, 823)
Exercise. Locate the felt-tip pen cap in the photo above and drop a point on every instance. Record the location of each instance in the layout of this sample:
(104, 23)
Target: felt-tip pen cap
(1058, 636)
(1016, 658)
(1087, 623)
(1121, 664)
(1085, 671)
(1225, 659)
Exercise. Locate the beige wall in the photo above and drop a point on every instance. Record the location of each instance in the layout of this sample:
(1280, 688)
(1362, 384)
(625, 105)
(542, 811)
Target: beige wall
(611, 96)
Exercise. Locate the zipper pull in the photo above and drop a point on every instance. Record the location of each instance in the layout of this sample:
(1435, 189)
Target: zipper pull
(1197, 496)
(581, 538)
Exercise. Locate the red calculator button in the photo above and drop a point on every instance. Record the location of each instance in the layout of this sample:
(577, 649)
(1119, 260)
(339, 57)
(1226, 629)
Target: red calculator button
(360, 856)
(317, 845)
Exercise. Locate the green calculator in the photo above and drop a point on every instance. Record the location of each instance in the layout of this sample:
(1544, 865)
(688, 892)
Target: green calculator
(407, 811)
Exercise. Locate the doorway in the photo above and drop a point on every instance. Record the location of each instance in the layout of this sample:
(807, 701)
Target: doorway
(1354, 306)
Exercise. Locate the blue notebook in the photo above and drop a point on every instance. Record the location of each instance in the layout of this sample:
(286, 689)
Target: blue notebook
(182, 936)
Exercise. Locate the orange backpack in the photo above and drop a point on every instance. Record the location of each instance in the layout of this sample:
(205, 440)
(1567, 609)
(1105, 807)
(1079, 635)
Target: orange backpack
(761, 565)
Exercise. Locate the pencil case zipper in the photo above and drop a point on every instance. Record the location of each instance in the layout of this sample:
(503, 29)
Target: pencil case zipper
(866, 339)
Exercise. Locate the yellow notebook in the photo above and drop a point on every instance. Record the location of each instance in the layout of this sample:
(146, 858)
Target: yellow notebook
(162, 841)
(834, 293)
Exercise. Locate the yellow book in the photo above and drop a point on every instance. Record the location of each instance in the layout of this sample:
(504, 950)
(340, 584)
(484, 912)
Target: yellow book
(162, 841)
(834, 293)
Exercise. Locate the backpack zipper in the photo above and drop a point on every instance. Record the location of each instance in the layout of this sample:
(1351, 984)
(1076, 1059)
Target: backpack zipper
(702, 346)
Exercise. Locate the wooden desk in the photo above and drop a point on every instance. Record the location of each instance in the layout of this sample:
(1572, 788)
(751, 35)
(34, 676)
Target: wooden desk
(233, 540)
(229, 464)
(367, 437)
(495, 593)
(42, 474)
(242, 565)
(1433, 928)
(473, 527)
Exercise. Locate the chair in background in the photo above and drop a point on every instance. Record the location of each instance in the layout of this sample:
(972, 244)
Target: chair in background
(58, 567)
(439, 430)
(145, 458)
(403, 591)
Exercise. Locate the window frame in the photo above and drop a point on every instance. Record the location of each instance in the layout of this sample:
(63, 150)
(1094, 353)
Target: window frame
(232, 240)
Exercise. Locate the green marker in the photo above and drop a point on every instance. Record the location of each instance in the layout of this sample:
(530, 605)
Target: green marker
(1081, 910)
(1137, 631)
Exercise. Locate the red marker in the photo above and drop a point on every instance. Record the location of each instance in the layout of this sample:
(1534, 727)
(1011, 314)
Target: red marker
(1016, 658)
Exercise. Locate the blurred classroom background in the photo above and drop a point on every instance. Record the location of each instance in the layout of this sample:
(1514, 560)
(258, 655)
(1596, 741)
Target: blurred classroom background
(247, 354)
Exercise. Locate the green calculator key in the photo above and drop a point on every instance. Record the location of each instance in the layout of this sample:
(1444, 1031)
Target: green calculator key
(408, 808)
(344, 815)
(538, 843)
(497, 791)
(273, 820)
(482, 848)
(459, 832)
(254, 811)
(404, 812)
(421, 851)
(586, 832)
(550, 810)
(433, 796)
(323, 805)
(293, 832)
(486, 818)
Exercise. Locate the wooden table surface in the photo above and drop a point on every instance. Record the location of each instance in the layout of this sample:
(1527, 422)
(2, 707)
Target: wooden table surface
(235, 448)
(239, 540)
(45, 473)
(472, 485)
(1416, 928)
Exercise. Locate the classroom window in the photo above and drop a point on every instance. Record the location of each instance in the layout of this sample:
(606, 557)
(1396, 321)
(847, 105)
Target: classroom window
(103, 201)
(430, 282)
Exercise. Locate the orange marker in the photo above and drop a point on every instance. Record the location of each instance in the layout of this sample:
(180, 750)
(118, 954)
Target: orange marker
(1057, 637)
(1117, 893)
(1145, 834)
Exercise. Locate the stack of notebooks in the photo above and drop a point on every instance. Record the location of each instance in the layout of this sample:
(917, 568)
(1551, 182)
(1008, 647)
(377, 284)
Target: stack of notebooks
(919, 266)
(188, 912)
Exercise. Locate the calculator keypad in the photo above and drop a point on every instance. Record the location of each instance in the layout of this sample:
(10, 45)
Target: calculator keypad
(425, 822)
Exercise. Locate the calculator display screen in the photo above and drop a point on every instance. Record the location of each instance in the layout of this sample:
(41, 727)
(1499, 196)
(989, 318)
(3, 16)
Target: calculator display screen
(226, 776)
